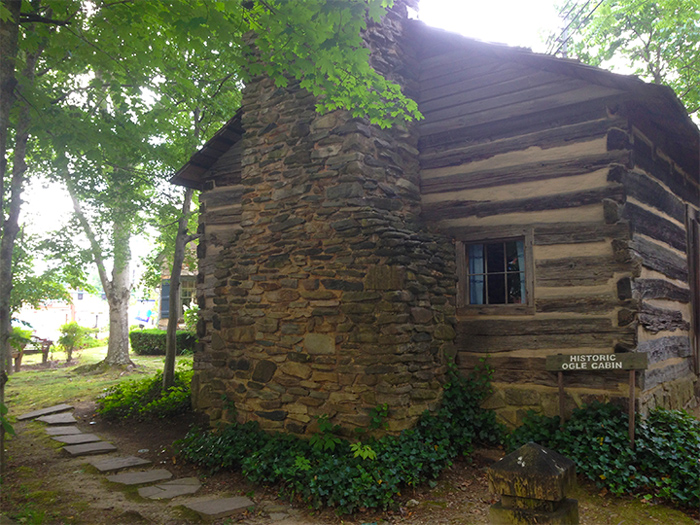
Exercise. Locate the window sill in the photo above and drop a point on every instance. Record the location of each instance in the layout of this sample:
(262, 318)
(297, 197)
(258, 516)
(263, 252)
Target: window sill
(514, 309)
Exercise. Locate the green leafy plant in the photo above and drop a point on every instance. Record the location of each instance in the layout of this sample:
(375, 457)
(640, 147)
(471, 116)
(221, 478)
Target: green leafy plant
(144, 398)
(360, 450)
(378, 417)
(663, 464)
(191, 315)
(19, 338)
(94, 342)
(152, 341)
(301, 463)
(4, 421)
(73, 337)
(325, 438)
(327, 470)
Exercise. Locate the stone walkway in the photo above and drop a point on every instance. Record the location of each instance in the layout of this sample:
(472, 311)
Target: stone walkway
(152, 483)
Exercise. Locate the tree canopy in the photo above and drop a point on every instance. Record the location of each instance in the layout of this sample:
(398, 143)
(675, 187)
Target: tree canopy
(659, 40)
(109, 97)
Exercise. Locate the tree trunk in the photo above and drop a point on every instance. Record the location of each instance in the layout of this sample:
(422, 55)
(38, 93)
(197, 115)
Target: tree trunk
(9, 33)
(118, 348)
(118, 298)
(118, 290)
(11, 204)
(11, 229)
(181, 241)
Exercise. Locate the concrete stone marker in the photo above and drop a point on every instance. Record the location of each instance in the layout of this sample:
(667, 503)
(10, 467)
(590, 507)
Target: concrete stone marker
(139, 478)
(115, 464)
(220, 508)
(58, 419)
(90, 449)
(44, 411)
(77, 439)
(63, 431)
(533, 482)
(171, 489)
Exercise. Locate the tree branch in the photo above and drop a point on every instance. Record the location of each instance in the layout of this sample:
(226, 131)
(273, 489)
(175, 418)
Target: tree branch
(94, 245)
(192, 237)
(33, 17)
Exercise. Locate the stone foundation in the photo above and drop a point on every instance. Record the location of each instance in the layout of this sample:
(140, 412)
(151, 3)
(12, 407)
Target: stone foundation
(512, 402)
(675, 395)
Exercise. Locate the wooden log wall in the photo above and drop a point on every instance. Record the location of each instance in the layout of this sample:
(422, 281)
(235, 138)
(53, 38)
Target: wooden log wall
(658, 191)
(509, 150)
(220, 225)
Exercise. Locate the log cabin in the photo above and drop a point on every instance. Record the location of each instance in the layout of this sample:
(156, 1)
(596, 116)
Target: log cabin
(540, 207)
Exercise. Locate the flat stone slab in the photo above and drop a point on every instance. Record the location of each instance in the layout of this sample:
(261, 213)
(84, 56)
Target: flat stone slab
(58, 419)
(63, 431)
(171, 489)
(220, 508)
(114, 464)
(89, 449)
(44, 412)
(77, 439)
(139, 478)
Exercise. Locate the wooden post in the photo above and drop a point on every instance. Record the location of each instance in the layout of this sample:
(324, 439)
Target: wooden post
(560, 379)
(631, 361)
(633, 384)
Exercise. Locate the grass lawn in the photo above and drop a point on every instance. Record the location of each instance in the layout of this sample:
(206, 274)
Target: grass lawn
(32, 389)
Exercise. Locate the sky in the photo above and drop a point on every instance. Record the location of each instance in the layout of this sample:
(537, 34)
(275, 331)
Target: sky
(512, 22)
(523, 23)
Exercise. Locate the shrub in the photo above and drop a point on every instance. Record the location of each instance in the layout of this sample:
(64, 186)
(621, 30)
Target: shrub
(141, 399)
(328, 470)
(93, 342)
(152, 341)
(663, 464)
(73, 337)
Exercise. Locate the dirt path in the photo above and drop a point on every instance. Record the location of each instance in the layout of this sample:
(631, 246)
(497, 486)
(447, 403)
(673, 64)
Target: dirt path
(44, 485)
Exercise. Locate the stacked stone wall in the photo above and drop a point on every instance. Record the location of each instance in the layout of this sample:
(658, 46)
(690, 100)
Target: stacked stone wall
(321, 293)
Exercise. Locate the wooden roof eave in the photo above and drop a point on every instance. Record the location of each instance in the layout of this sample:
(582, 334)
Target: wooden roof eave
(192, 174)
(662, 104)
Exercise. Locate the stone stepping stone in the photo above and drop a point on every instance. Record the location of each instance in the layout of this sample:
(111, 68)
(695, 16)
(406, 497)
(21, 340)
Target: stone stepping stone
(114, 464)
(63, 431)
(220, 508)
(139, 478)
(171, 489)
(44, 412)
(89, 449)
(58, 419)
(77, 439)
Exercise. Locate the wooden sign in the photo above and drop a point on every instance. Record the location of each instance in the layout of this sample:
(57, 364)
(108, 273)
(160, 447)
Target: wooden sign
(596, 362)
(631, 361)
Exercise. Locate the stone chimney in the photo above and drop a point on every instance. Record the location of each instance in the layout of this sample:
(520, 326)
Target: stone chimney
(329, 298)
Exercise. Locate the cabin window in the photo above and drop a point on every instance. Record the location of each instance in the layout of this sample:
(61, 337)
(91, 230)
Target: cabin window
(496, 275)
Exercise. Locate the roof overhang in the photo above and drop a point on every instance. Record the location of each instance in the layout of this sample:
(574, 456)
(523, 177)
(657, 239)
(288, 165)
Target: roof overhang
(192, 174)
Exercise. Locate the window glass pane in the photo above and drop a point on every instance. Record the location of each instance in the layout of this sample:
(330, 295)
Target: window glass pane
(477, 289)
(475, 254)
(516, 288)
(495, 257)
(496, 273)
(497, 288)
(514, 256)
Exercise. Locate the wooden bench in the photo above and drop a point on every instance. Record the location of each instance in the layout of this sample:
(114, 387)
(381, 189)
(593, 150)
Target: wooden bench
(36, 345)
